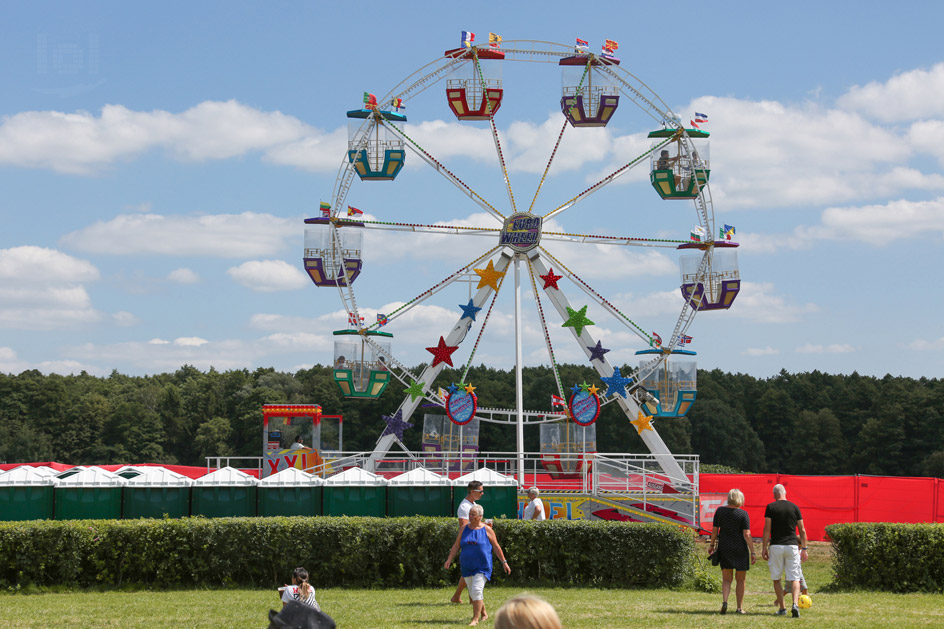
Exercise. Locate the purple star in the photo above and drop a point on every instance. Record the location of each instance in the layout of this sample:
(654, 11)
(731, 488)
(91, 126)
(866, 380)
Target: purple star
(596, 353)
(395, 424)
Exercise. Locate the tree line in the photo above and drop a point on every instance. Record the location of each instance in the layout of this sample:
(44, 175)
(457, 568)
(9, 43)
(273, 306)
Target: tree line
(806, 423)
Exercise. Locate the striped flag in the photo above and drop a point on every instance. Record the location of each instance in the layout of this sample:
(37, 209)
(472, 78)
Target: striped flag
(698, 233)
(325, 209)
(655, 341)
(557, 400)
(397, 103)
(582, 43)
(352, 319)
(351, 210)
(701, 117)
(467, 39)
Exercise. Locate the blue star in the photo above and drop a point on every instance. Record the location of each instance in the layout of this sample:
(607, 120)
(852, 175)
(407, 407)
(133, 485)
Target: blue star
(616, 384)
(453, 388)
(395, 424)
(596, 353)
(575, 389)
(469, 312)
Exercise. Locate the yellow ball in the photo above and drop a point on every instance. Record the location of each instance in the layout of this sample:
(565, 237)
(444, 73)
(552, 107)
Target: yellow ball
(805, 601)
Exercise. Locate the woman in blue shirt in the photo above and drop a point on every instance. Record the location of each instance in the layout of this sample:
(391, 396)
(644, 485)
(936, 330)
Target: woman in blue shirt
(476, 542)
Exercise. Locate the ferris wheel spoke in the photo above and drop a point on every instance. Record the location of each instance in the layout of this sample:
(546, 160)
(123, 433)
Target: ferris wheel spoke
(627, 241)
(420, 228)
(619, 172)
(446, 173)
(495, 138)
(547, 336)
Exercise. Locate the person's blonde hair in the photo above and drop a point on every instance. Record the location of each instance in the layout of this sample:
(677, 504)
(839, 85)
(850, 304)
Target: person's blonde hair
(477, 509)
(735, 498)
(526, 611)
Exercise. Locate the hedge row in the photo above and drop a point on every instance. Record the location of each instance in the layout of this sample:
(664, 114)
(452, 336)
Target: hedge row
(337, 551)
(888, 557)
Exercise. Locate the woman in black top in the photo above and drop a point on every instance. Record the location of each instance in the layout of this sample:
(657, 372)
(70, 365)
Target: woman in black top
(731, 539)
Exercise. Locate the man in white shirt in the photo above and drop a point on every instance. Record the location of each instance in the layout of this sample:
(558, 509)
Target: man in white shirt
(475, 491)
(535, 509)
(298, 445)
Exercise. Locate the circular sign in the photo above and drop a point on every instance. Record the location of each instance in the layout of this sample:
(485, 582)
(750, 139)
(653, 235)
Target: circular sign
(521, 232)
(584, 407)
(461, 407)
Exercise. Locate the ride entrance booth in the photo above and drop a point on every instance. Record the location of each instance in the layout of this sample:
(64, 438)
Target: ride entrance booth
(672, 385)
(448, 445)
(721, 282)
(360, 368)
(589, 95)
(677, 173)
(291, 437)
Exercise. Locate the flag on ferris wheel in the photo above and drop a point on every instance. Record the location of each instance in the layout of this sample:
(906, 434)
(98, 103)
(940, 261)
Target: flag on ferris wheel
(701, 117)
(557, 400)
(698, 233)
(351, 210)
(494, 40)
(352, 319)
(694, 124)
(655, 341)
(582, 43)
(684, 340)
(612, 45)
(397, 103)
(370, 100)
(467, 39)
(325, 209)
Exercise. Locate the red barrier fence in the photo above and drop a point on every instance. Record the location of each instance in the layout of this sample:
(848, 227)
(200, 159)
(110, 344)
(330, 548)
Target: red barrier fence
(825, 500)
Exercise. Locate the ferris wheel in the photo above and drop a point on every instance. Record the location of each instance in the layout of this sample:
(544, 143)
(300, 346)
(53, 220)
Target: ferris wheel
(522, 248)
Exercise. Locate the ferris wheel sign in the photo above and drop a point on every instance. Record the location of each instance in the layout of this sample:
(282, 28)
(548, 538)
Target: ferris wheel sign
(584, 407)
(521, 231)
(461, 406)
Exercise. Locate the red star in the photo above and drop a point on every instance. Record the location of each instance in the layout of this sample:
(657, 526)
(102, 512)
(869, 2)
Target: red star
(442, 353)
(550, 279)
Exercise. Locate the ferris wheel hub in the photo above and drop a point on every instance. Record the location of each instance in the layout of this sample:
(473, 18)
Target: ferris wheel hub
(521, 232)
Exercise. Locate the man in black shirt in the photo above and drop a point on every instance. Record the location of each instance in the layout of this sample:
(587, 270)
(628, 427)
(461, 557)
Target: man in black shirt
(783, 549)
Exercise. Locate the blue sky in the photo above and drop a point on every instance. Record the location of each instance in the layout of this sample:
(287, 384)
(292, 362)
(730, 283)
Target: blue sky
(157, 163)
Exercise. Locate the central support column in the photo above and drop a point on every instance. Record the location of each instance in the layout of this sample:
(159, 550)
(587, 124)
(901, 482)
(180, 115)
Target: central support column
(519, 394)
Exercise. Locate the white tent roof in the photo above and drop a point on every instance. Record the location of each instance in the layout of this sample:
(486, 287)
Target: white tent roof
(92, 477)
(227, 476)
(290, 477)
(486, 477)
(158, 477)
(356, 476)
(420, 476)
(29, 475)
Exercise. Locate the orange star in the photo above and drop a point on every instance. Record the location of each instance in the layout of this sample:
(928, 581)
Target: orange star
(469, 388)
(644, 422)
(489, 276)
(593, 389)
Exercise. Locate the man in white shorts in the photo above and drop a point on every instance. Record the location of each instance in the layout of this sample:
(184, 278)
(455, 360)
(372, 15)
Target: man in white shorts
(475, 491)
(783, 549)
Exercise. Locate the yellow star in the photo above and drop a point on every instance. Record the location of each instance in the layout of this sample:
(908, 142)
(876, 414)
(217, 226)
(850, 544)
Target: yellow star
(593, 389)
(489, 276)
(644, 422)
(469, 388)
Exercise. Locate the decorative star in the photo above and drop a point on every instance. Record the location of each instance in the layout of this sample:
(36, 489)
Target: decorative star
(469, 388)
(643, 422)
(577, 319)
(584, 386)
(575, 389)
(489, 276)
(415, 390)
(597, 351)
(453, 388)
(396, 425)
(469, 311)
(616, 384)
(442, 353)
(592, 390)
(550, 280)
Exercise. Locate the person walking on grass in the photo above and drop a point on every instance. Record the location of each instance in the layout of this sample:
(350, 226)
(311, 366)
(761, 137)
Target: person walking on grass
(477, 541)
(731, 539)
(784, 547)
(474, 491)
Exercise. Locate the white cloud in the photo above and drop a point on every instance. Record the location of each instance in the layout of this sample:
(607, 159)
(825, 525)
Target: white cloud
(835, 348)
(156, 341)
(81, 142)
(760, 351)
(758, 302)
(29, 265)
(222, 235)
(125, 319)
(923, 345)
(190, 341)
(184, 276)
(268, 275)
(881, 224)
(315, 152)
(906, 96)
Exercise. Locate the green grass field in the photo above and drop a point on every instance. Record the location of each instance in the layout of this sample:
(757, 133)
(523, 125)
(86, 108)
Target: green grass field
(578, 607)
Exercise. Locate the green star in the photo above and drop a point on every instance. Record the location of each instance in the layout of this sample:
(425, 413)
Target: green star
(584, 386)
(577, 319)
(415, 390)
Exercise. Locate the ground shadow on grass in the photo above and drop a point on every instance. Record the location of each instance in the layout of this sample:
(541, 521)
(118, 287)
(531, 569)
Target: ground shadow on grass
(691, 612)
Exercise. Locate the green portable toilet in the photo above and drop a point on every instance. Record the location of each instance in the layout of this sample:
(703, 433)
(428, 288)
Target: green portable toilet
(224, 493)
(290, 492)
(501, 493)
(154, 492)
(26, 493)
(89, 494)
(72, 471)
(129, 471)
(419, 492)
(355, 491)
